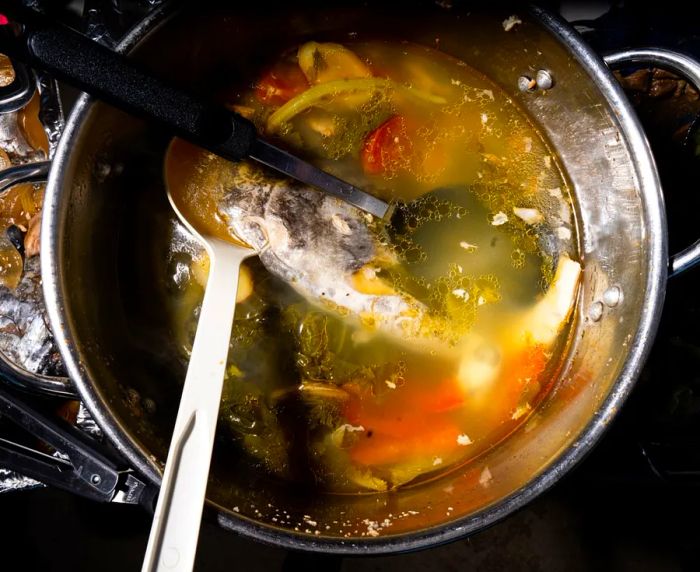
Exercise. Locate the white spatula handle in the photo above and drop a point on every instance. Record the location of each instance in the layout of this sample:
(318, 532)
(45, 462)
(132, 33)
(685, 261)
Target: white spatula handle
(173, 541)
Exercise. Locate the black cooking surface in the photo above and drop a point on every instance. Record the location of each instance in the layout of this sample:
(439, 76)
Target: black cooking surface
(633, 504)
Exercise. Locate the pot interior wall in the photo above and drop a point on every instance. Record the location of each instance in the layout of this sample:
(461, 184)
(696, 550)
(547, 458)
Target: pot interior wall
(113, 224)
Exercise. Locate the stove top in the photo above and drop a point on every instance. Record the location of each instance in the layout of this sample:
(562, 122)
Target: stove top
(630, 505)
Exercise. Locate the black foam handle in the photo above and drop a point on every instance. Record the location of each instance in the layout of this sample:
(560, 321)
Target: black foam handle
(111, 77)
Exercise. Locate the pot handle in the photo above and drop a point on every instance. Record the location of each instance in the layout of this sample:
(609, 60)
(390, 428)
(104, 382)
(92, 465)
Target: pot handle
(10, 372)
(689, 69)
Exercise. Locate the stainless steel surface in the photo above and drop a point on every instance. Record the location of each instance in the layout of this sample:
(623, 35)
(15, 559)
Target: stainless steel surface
(29, 173)
(36, 382)
(306, 173)
(622, 241)
(544, 79)
(688, 68)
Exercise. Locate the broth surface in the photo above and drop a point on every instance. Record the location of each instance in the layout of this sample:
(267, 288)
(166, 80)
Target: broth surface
(480, 249)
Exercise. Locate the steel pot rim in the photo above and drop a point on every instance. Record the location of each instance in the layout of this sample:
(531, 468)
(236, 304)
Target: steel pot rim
(653, 207)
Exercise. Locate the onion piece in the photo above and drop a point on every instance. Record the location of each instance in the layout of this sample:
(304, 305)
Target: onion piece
(529, 215)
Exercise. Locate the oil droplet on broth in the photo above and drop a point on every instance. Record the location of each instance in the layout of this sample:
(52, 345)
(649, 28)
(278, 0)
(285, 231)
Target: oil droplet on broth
(375, 413)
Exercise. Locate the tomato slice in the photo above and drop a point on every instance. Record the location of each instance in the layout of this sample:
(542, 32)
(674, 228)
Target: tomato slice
(281, 83)
(388, 148)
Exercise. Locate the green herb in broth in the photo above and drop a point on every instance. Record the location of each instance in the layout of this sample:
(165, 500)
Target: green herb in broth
(320, 394)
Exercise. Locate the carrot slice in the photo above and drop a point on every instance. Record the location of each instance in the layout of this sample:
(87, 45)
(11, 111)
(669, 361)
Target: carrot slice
(377, 448)
(406, 423)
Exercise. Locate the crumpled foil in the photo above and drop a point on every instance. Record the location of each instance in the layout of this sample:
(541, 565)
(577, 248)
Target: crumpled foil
(25, 337)
(11, 481)
(13, 141)
(85, 422)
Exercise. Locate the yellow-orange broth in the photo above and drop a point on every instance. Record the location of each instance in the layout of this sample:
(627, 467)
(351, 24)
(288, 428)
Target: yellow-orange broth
(315, 396)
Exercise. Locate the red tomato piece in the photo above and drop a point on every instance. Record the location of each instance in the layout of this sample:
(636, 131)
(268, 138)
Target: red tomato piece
(283, 82)
(388, 148)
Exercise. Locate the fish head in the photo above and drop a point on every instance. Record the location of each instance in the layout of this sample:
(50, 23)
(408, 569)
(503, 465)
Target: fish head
(297, 225)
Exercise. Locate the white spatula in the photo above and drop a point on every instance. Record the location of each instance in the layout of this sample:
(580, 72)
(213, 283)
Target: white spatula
(173, 540)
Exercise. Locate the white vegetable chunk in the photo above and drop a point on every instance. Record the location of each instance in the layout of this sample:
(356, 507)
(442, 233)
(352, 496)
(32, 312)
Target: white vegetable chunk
(544, 321)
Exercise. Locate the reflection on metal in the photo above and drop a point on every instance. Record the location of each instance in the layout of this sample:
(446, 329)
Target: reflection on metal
(29, 173)
(544, 79)
(50, 109)
(526, 84)
(612, 296)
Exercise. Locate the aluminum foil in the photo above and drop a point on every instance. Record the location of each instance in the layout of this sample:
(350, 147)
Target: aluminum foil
(85, 422)
(25, 336)
(13, 141)
(11, 481)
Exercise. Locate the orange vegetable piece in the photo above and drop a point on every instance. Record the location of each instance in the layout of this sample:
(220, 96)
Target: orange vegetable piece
(520, 370)
(406, 423)
(383, 449)
(388, 148)
(414, 421)
(284, 81)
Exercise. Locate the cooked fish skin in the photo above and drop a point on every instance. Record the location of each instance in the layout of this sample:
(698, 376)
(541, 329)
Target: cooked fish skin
(316, 243)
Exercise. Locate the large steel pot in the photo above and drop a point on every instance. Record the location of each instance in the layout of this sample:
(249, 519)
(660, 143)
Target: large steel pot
(106, 223)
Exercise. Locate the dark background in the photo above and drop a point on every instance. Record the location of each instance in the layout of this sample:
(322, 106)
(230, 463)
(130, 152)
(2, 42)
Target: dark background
(633, 504)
